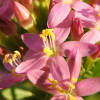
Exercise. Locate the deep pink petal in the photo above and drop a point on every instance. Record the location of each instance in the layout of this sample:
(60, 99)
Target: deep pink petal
(88, 86)
(32, 62)
(56, 16)
(86, 13)
(74, 62)
(62, 30)
(59, 68)
(84, 48)
(93, 36)
(58, 97)
(6, 8)
(7, 79)
(40, 78)
(32, 41)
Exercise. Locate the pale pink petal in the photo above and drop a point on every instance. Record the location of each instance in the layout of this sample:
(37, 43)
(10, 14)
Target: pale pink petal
(79, 98)
(74, 62)
(84, 48)
(59, 68)
(32, 41)
(40, 78)
(56, 16)
(88, 86)
(7, 79)
(6, 8)
(93, 36)
(32, 62)
(86, 13)
(58, 97)
(62, 30)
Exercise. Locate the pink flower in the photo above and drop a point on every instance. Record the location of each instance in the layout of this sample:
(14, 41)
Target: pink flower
(47, 50)
(81, 10)
(6, 8)
(11, 61)
(66, 89)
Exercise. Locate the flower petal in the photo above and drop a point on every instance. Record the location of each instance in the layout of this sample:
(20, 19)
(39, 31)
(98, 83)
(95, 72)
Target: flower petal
(84, 48)
(6, 8)
(86, 13)
(88, 86)
(7, 80)
(56, 16)
(32, 62)
(58, 97)
(93, 36)
(40, 78)
(59, 68)
(74, 62)
(32, 41)
(63, 29)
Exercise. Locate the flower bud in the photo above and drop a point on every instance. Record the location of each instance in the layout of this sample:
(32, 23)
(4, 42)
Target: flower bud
(27, 3)
(23, 16)
(76, 29)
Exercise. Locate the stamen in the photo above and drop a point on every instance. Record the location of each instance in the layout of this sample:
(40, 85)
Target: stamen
(99, 11)
(47, 51)
(74, 79)
(68, 1)
(71, 86)
(72, 97)
(60, 89)
(48, 38)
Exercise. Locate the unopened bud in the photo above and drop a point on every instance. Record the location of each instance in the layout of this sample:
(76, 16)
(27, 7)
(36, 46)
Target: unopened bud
(76, 29)
(23, 16)
(27, 3)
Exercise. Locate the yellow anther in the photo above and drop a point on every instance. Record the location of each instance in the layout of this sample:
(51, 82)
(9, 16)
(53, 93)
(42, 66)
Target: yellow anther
(6, 58)
(50, 80)
(10, 61)
(55, 82)
(72, 97)
(71, 86)
(74, 79)
(48, 51)
(68, 1)
(14, 57)
(43, 37)
(60, 89)
(17, 53)
(47, 32)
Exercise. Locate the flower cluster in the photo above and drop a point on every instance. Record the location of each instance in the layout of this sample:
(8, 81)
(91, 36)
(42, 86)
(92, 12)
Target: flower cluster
(53, 58)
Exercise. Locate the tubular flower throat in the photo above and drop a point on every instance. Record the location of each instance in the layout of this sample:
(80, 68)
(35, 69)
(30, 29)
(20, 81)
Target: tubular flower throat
(69, 94)
(13, 60)
(48, 38)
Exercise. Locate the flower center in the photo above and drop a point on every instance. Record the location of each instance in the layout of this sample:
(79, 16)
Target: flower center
(13, 60)
(69, 93)
(48, 38)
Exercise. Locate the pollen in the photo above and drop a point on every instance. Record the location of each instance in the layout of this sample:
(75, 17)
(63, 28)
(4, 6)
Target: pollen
(48, 51)
(71, 86)
(74, 79)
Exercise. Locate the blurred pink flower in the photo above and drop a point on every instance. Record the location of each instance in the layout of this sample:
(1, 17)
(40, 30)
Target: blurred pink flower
(6, 8)
(11, 62)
